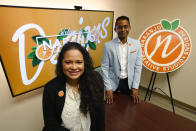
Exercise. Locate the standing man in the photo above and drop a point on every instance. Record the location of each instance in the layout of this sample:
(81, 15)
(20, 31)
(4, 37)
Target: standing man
(122, 62)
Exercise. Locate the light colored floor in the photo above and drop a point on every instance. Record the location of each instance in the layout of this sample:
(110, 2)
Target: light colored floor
(164, 103)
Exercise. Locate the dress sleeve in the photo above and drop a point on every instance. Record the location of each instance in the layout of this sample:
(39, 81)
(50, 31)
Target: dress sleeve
(100, 110)
(51, 120)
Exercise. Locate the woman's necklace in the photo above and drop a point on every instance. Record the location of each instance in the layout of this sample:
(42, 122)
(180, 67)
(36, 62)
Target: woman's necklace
(75, 91)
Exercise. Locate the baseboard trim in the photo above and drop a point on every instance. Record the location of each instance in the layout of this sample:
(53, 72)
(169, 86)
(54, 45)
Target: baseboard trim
(177, 103)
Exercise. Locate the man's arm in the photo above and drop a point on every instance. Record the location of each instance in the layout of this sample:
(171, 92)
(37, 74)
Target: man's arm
(105, 68)
(137, 75)
(105, 74)
(137, 68)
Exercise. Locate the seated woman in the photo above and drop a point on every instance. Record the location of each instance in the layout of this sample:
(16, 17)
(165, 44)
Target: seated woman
(74, 100)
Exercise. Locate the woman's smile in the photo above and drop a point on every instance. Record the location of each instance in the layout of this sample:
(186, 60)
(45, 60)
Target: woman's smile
(73, 65)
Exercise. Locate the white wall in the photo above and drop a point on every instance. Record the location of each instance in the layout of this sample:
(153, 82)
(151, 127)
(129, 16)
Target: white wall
(149, 12)
(24, 113)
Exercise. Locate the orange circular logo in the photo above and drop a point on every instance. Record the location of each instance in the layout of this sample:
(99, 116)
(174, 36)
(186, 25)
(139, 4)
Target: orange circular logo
(61, 93)
(165, 46)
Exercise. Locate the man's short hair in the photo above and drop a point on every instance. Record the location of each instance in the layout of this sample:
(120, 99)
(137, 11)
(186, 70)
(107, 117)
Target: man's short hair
(122, 18)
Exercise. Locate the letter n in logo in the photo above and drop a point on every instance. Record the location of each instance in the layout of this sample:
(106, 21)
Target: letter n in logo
(166, 46)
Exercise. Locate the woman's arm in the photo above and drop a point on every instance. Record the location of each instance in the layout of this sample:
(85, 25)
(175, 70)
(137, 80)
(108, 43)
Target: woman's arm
(51, 120)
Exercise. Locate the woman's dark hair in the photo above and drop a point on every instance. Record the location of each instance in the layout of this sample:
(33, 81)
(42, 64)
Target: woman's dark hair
(88, 64)
(89, 82)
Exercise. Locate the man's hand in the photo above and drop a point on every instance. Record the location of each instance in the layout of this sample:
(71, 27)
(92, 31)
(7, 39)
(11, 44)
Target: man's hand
(135, 96)
(109, 97)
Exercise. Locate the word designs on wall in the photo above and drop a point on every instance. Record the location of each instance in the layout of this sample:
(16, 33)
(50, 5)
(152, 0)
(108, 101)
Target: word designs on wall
(31, 39)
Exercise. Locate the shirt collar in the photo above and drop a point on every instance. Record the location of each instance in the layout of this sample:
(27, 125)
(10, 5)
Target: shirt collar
(121, 42)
